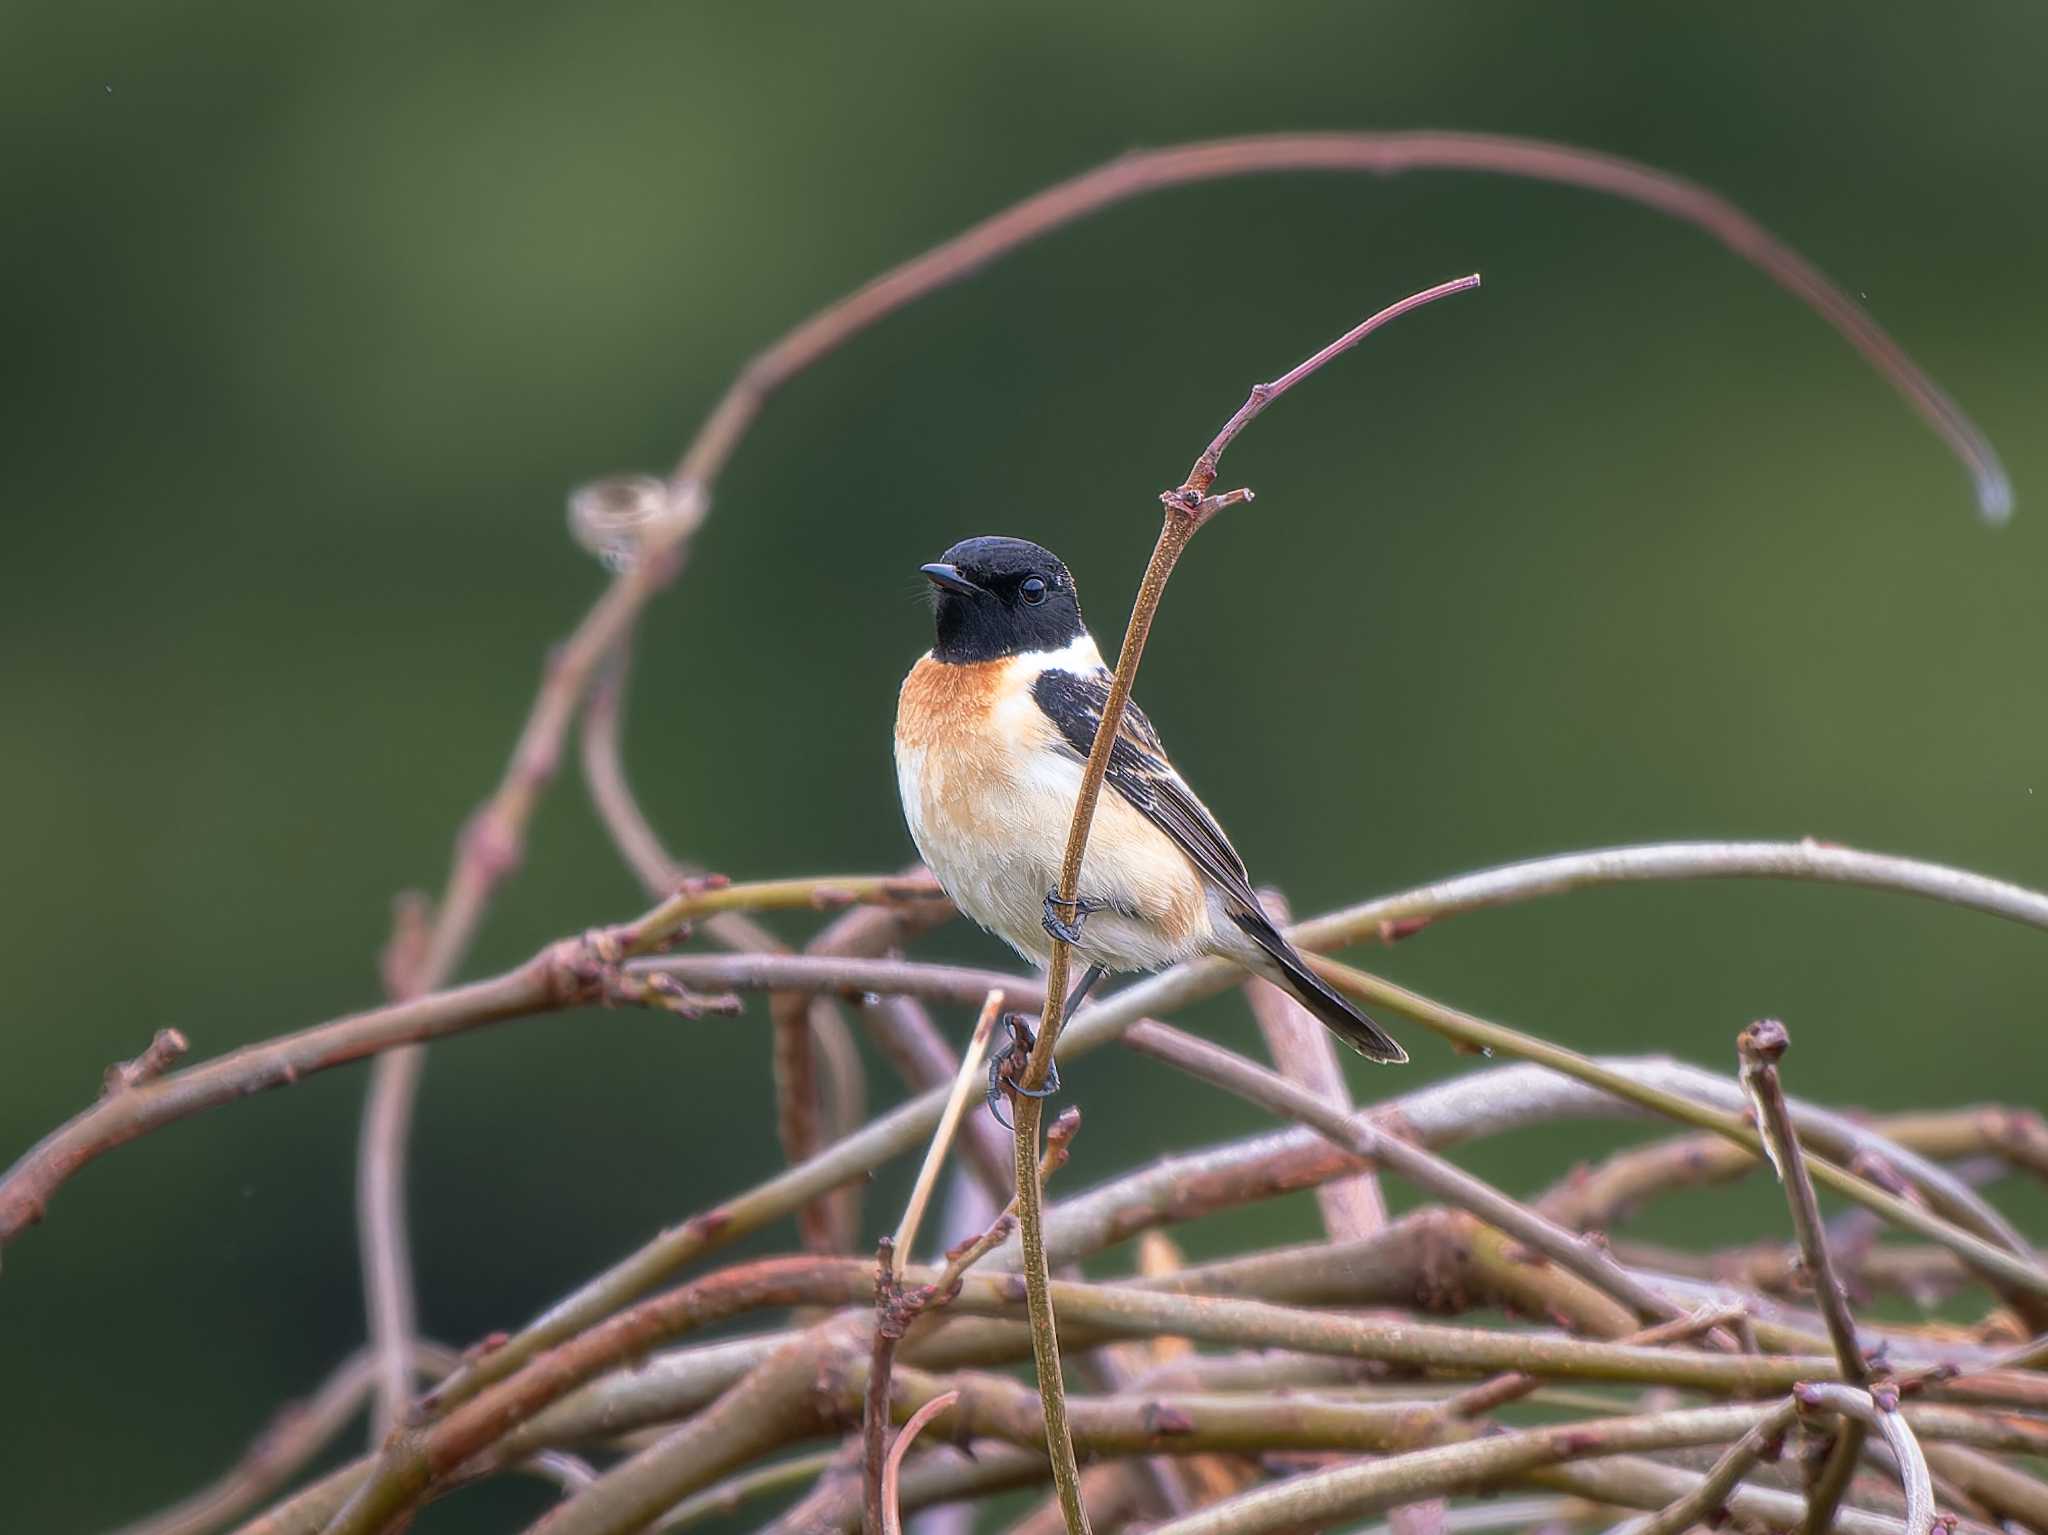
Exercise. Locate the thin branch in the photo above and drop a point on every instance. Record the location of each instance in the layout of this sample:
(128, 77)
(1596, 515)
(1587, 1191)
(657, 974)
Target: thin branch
(618, 810)
(487, 850)
(1905, 1146)
(1304, 1052)
(809, 1026)
(2016, 1275)
(1492, 1395)
(1628, 1481)
(564, 974)
(892, 1319)
(1759, 1047)
(795, 1075)
(964, 1081)
(164, 1052)
(903, 1031)
(1186, 510)
(892, 1472)
(1707, 1502)
(894, 1310)
(297, 1433)
(724, 1500)
(382, 1234)
(611, 792)
(1880, 1410)
(777, 1402)
(1353, 1490)
(1203, 474)
(1379, 154)
(1232, 1072)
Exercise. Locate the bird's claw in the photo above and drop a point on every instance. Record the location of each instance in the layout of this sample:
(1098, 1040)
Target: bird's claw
(1058, 926)
(1002, 1074)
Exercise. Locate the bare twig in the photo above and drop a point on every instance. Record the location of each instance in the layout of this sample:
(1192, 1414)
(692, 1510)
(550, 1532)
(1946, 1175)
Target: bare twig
(795, 1075)
(618, 808)
(1764, 1440)
(901, 1028)
(297, 1433)
(2016, 1274)
(726, 1498)
(1879, 1409)
(564, 974)
(777, 1402)
(1379, 154)
(894, 1310)
(892, 1472)
(892, 1319)
(1628, 1481)
(382, 1235)
(163, 1053)
(1303, 1052)
(1186, 510)
(1490, 1396)
(1760, 1046)
(1234, 1073)
(949, 1119)
(383, 1240)
(1349, 1491)
(611, 792)
(811, 1031)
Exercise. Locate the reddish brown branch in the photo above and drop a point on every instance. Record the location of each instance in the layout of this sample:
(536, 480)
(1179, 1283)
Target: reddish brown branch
(1382, 154)
(164, 1052)
(1303, 1052)
(1759, 1047)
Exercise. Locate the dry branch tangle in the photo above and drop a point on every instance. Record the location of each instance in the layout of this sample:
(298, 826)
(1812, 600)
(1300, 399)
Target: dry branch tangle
(489, 847)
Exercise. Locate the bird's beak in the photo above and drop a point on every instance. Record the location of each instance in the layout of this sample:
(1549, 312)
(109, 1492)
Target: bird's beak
(949, 577)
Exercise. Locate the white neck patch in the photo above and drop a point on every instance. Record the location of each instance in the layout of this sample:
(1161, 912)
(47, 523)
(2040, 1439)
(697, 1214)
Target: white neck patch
(1077, 655)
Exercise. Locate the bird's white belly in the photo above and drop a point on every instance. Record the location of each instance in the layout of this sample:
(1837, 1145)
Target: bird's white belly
(995, 837)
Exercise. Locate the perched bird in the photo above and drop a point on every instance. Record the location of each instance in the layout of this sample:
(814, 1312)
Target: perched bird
(993, 726)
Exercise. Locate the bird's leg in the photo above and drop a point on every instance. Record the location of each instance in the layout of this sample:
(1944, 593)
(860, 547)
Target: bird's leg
(1058, 926)
(1005, 1065)
(1090, 979)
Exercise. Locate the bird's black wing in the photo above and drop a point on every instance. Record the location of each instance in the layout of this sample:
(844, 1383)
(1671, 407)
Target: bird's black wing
(1140, 772)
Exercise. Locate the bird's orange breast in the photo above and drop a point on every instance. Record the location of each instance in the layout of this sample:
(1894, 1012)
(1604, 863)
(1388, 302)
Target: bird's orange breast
(946, 703)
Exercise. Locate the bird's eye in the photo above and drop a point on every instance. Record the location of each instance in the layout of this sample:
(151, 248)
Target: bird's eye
(1033, 590)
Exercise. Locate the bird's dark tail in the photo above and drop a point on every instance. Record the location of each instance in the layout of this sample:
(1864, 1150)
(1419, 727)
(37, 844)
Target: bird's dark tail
(1342, 1019)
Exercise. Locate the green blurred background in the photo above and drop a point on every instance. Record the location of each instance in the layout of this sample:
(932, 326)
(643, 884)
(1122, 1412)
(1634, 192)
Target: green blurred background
(313, 315)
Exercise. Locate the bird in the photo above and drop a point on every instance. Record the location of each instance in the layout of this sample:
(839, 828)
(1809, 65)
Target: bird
(993, 726)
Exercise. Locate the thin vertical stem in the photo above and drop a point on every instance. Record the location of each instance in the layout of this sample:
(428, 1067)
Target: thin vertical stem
(1187, 509)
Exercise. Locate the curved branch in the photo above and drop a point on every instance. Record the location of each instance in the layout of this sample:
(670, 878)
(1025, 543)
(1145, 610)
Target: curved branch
(1382, 154)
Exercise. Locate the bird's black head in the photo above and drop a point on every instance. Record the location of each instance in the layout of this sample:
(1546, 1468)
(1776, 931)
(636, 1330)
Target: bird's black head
(998, 597)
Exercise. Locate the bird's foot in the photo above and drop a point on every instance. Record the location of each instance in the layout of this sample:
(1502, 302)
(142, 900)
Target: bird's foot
(1007, 1065)
(1058, 926)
